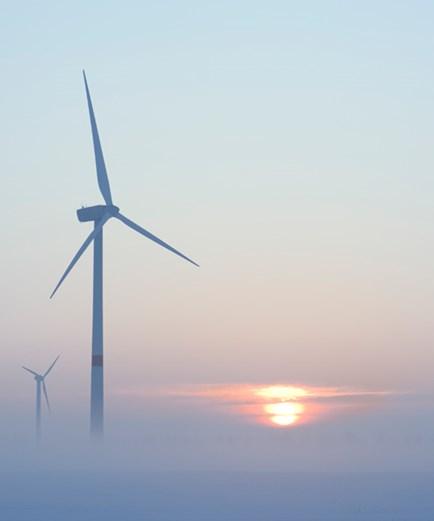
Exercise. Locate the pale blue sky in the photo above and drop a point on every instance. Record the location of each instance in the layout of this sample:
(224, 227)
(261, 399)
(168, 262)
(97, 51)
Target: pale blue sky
(285, 146)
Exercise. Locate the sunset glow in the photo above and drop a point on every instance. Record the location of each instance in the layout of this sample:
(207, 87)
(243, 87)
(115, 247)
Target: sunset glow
(276, 405)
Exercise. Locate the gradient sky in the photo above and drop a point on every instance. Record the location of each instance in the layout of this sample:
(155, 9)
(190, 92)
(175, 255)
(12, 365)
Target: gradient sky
(285, 146)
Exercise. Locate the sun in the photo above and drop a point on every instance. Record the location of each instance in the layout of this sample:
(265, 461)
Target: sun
(284, 421)
(284, 413)
(282, 407)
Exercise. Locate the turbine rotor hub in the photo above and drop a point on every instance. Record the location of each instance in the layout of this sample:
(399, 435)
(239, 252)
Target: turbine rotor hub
(96, 213)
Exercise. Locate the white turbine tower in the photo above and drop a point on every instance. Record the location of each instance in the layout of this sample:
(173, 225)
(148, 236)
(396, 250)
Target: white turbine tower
(40, 383)
(99, 215)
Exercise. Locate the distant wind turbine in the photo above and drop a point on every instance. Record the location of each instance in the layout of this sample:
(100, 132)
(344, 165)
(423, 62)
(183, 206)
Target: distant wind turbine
(99, 215)
(40, 383)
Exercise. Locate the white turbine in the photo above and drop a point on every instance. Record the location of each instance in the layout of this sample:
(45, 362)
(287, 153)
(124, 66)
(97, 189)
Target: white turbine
(40, 383)
(99, 215)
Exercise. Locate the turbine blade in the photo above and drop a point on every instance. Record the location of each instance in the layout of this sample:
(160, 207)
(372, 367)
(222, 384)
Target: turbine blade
(51, 367)
(44, 388)
(30, 371)
(83, 247)
(101, 171)
(149, 235)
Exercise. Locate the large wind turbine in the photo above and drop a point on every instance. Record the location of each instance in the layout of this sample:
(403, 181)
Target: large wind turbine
(40, 383)
(99, 215)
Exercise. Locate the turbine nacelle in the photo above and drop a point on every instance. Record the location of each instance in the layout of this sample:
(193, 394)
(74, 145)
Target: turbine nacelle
(96, 213)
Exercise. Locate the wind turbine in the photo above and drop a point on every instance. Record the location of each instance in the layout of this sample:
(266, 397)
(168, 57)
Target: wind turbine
(99, 215)
(40, 383)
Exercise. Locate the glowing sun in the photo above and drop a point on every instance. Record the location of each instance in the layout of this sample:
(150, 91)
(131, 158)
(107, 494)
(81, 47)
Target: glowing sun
(284, 413)
(282, 408)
